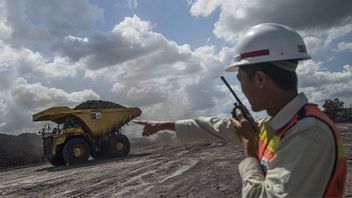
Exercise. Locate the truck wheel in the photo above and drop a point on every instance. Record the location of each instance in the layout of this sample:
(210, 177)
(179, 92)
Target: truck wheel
(76, 151)
(119, 146)
(100, 154)
(57, 160)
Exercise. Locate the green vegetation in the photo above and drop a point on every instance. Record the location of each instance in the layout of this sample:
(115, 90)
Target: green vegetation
(336, 110)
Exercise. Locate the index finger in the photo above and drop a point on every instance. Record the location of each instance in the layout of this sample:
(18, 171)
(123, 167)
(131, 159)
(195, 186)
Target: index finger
(143, 122)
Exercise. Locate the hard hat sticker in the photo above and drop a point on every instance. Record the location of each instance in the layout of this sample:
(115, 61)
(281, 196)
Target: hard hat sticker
(302, 49)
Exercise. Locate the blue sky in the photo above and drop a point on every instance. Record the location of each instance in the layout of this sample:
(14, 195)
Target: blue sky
(165, 57)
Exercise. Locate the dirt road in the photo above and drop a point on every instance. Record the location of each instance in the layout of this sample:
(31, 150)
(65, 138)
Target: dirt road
(194, 171)
(200, 170)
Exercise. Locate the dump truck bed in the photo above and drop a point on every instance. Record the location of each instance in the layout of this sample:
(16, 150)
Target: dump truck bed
(98, 121)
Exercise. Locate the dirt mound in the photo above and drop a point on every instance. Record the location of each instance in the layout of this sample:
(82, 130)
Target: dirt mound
(20, 150)
(98, 104)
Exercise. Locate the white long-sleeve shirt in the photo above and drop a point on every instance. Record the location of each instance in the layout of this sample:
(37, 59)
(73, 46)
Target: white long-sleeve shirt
(303, 161)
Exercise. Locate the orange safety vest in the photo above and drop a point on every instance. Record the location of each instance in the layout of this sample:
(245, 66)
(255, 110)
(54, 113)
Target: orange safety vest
(267, 148)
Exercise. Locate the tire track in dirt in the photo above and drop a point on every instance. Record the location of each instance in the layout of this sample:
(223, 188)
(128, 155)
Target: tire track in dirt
(198, 170)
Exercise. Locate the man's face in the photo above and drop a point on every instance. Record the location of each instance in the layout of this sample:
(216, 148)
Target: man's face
(251, 90)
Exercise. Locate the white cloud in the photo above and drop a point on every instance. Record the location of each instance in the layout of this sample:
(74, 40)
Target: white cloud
(118, 87)
(79, 40)
(321, 85)
(5, 31)
(24, 99)
(347, 68)
(238, 16)
(25, 62)
(132, 3)
(45, 22)
(189, 2)
(343, 46)
(336, 32)
(133, 28)
(313, 44)
(19, 99)
(132, 41)
(31, 96)
(204, 8)
(146, 95)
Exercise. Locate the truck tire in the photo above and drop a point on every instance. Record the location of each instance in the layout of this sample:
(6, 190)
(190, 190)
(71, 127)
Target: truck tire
(76, 151)
(57, 159)
(119, 146)
(102, 154)
(56, 162)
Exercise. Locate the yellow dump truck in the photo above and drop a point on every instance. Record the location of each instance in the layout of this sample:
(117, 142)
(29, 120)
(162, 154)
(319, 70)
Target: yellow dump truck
(81, 133)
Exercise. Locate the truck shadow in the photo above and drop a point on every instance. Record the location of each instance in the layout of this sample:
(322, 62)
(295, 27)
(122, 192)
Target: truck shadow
(92, 162)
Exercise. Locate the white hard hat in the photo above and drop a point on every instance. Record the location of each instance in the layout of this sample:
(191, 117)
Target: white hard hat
(269, 42)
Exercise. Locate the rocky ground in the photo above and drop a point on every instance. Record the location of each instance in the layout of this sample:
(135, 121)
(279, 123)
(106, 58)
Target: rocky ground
(346, 135)
(202, 170)
(151, 170)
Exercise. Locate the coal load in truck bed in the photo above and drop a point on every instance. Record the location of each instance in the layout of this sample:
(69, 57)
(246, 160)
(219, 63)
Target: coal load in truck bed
(98, 104)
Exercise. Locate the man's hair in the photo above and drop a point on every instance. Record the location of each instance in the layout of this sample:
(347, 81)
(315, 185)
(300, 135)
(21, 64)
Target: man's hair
(284, 79)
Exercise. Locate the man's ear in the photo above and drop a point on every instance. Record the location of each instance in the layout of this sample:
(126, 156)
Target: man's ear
(261, 79)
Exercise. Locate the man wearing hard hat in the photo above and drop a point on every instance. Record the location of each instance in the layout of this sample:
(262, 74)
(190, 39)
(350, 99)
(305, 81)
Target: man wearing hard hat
(295, 152)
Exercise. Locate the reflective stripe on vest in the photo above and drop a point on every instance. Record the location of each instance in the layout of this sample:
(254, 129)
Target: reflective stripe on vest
(267, 148)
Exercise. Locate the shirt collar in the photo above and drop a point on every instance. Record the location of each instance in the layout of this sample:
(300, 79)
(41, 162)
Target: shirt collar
(288, 111)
